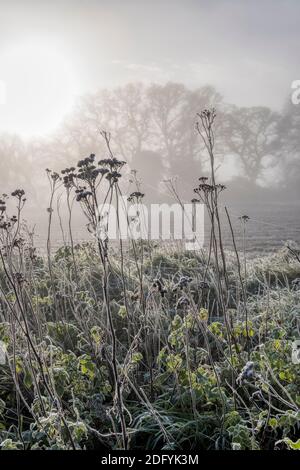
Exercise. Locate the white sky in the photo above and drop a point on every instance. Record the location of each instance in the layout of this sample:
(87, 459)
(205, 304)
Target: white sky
(51, 51)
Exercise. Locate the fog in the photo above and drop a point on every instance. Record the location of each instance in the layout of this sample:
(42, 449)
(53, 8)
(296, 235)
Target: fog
(235, 46)
(142, 71)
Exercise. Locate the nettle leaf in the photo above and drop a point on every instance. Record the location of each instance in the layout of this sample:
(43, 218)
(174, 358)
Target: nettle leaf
(292, 445)
(28, 382)
(9, 444)
(19, 366)
(273, 423)
(236, 446)
(136, 357)
(277, 344)
(232, 418)
(87, 366)
(174, 362)
(282, 375)
(122, 311)
(216, 328)
(79, 431)
(203, 314)
(96, 334)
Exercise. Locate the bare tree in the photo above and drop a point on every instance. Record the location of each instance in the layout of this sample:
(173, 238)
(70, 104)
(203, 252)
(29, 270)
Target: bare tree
(289, 143)
(173, 110)
(15, 161)
(250, 135)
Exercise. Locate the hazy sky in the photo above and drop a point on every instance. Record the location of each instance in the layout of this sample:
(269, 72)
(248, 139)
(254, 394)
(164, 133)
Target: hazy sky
(51, 51)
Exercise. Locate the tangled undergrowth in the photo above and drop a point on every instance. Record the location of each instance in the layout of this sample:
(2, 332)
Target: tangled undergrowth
(144, 346)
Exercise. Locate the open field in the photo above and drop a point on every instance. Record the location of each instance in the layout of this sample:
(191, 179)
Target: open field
(143, 345)
(270, 226)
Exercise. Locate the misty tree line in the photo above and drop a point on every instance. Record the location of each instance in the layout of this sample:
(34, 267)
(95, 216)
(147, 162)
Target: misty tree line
(153, 129)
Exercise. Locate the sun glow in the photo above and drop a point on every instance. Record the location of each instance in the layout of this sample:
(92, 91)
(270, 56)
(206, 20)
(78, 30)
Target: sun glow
(38, 87)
